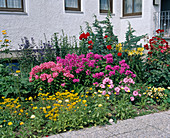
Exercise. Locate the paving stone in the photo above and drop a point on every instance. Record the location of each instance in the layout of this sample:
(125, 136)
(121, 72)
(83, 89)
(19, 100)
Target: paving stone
(157, 120)
(85, 134)
(125, 126)
(148, 132)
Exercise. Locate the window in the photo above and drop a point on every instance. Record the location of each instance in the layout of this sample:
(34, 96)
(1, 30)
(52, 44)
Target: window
(106, 5)
(11, 5)
(73, 5)
(132, 7)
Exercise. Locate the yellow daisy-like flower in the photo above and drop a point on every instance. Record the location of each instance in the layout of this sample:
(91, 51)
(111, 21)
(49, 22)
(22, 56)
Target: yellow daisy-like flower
(100, 105)
(21, 123)
(60, 101)
(90, 89)
(21, 110)
(10, 123)
(30, 98)
(34, 108)
(0, 40)
(84, 101)
(41, 89)
(3, 31)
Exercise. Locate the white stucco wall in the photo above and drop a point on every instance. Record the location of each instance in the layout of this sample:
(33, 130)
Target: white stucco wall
(49, 16)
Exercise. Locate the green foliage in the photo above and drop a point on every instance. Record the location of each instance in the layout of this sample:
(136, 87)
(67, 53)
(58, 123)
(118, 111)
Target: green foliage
(156, 68)
(123, 109)
(101, 29)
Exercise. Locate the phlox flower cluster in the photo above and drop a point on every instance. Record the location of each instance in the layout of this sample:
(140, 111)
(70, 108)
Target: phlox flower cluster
(48, 71)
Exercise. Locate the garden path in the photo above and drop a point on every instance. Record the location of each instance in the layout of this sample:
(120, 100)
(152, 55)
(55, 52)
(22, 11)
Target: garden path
(155, 125)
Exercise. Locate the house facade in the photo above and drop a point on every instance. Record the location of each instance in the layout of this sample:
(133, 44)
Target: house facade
(33, 18)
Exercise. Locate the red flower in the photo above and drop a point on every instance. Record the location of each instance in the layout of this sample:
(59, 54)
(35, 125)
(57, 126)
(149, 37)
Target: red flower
(167, 65)
(90, 47)
(105, 36)
(149, 53)
(119, 54)
(109, 47)
(146, 47)
(90, 42)
(148, 58)
(46, 135)
(160, 47)
(83, 35)
(87, 34)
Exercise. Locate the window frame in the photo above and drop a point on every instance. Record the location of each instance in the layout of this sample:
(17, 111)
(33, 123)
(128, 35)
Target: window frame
(106, 11)
(130, 14)
(73, 9)
(13, 9)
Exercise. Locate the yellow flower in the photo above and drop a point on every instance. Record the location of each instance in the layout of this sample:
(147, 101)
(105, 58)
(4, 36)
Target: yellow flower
(156, 97)
(3, 31)
(82, 95)
(100, 95)
(10, 123)
(21, 110)
(19, 114)
(108, 85)
(48, 107)
(84, 101)
(4, 120)
(26, 113)
(86, 96)
(87, 92)
(0, 40)
(90, 89)
(60, 101)
(34, 108)
(114, 92)
(72, 90)
(41, 89)
(21, 123)
(100, 105)
(85, 104)
(18, 71)
(30, 98)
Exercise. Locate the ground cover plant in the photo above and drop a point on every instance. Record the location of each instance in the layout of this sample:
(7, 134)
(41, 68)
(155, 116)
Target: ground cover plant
(93, 86)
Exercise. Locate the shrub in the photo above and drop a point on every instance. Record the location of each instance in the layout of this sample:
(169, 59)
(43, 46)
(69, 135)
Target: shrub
(157, 62)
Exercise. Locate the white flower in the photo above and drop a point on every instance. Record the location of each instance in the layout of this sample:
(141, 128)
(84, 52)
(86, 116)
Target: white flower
(67, 100)
(110, 120)
(32, 116)
(168, 87)
(0, 125)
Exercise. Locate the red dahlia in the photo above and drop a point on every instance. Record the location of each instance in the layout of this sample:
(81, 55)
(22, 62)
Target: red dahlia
(109, 47)
(119, 54)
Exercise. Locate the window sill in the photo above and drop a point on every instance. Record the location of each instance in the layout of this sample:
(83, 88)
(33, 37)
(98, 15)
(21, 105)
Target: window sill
(127, 17)
(112, 14)
(76, 12)
(13, 13)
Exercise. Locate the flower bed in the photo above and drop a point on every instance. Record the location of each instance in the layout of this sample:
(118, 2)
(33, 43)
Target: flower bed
(104, 82)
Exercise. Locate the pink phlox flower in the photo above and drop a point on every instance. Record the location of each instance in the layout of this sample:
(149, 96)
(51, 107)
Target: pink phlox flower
(109, 60)
(116, 68)
(55, 74)
(132, 98)
(128, 72)
(162, 51)
(135, 93)
(36, 77)
(117, 89)
(131, 81)
(108, 67)
(88, 72)
(50, 80)
(97, 67)
(76, 80)
(127, 89)
(125, 80)
(139, 95)
(102, 86)
(104, 93)
(111, 86)
(121, 62)
(63, 84)
(133, 75)
(120, 82)
(109, 93)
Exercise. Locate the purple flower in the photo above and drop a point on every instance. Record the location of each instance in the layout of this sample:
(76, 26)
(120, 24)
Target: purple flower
(133, 75)
(109, 60)
(108, 67)
(121, 62)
